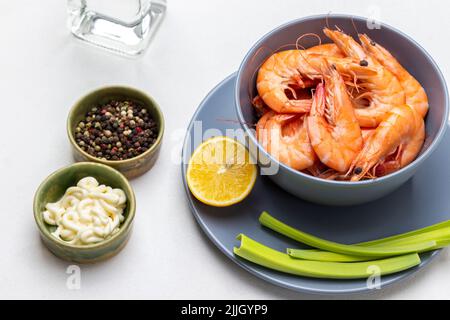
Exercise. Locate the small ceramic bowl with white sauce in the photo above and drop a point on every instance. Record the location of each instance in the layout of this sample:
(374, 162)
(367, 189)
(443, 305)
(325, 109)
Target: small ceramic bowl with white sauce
(85, 212)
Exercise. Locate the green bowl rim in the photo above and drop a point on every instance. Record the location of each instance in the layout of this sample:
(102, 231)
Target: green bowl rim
(123, 227)
(155, 105)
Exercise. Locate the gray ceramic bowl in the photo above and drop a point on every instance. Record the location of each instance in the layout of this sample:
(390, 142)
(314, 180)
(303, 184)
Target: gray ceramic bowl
(410, 54)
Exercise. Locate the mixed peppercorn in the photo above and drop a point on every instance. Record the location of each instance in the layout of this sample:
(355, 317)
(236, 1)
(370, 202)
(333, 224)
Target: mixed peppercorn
(118, 130)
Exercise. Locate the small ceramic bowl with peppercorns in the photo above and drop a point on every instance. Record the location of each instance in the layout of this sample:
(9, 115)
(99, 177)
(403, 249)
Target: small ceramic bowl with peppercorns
(117, 126)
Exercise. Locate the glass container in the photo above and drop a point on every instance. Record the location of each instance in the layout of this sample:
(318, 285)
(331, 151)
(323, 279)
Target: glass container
(122, 26)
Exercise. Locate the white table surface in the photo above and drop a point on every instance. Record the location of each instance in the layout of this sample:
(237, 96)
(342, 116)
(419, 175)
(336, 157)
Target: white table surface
(43, 72)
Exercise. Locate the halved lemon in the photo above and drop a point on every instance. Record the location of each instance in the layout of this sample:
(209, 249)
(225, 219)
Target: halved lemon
(221, 172)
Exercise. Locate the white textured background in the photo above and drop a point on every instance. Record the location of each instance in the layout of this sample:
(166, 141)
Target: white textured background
(43, 70)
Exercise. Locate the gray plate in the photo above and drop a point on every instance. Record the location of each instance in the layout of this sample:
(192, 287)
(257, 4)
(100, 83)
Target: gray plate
(421, 202)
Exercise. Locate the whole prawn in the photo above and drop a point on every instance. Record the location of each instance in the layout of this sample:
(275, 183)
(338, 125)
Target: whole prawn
(393, 145)
(289, 69)
(416, 96)
(382, 91)
(332, 126)
(286, 138)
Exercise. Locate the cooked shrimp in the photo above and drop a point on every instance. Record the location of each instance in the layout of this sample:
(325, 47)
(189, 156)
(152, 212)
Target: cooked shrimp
(366, 133)
(393, 145)
(382, 91)
(332, 126)
(327, 49)
(276, 76)
(299, 69)
(416, 96)
(261, 134)
(285, 137)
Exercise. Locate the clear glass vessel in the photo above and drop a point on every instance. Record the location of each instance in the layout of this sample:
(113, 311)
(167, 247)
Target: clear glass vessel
(123, 26)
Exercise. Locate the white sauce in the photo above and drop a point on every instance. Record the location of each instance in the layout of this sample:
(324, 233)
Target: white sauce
(88, 213)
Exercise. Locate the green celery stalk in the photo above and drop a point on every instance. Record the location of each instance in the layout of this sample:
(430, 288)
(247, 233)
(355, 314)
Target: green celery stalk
(441, 236)
(326, 256)
(435, 227)
(260, 254)
(353, 250)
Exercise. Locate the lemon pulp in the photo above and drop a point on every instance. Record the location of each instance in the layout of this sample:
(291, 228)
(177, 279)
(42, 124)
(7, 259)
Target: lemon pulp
(221, 172)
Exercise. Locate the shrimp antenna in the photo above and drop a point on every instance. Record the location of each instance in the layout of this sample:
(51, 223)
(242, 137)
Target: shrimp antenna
(258, 51)
(299, 46)
(249, 89)
(327, 22)
(235, 121)
(300, 38)
(354, 26)
(288, 45)
(303, 54)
